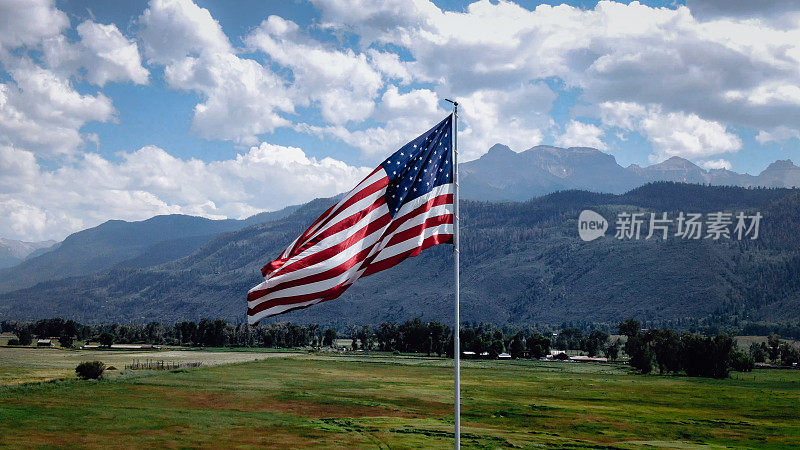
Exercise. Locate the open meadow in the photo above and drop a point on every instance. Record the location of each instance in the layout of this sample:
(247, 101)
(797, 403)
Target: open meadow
(290, 400)
(20, 365)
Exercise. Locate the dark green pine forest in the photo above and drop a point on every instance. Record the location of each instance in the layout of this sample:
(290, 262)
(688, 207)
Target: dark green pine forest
(522, 263)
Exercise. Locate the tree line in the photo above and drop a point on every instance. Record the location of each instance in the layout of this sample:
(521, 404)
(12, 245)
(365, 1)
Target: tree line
(698, 355)
(205, 333)
(646, 350)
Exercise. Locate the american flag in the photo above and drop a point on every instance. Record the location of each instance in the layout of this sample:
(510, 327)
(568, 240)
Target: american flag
(403, 207)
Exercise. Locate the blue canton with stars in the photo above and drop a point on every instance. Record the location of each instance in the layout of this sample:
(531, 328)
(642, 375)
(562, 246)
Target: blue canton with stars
(420, 166)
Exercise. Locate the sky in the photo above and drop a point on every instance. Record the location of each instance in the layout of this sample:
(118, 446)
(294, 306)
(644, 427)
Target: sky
(126, 110)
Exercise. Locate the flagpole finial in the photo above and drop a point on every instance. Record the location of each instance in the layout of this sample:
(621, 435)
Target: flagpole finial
(455, 103)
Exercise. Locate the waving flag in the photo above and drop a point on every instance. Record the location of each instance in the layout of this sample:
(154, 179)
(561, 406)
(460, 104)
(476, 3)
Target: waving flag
(403, 207)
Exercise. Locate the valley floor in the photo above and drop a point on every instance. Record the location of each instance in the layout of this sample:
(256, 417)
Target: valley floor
(298, 400)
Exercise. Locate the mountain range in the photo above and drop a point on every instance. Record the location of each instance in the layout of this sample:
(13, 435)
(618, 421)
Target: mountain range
(521, 263)
(13, 252)
(118, 243)
(522, 259)
(505, 175)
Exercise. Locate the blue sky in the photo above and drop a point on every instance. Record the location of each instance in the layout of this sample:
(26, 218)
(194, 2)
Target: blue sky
(224, 109)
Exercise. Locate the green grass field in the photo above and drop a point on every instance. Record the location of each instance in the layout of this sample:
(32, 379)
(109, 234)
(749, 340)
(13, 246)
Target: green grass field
(19, 365)
(399, 402)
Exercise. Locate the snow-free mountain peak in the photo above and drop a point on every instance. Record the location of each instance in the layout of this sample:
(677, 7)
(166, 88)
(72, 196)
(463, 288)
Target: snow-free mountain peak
(503, 175)
(12, 251)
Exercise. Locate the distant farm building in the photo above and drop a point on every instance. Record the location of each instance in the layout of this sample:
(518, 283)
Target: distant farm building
(44, 343)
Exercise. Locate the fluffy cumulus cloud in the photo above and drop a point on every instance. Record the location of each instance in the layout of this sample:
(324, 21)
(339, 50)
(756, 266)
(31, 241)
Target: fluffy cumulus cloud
(42, 111)
(671, 134)
(40, 107)
(38, 203)
(342, 83)
(404, 115)
(516, 116)
(241, 97)
(27, 22)
(777, 134)
(580, 134)
(726, 68)
(102, 51)
(372, 75)
(172, 29)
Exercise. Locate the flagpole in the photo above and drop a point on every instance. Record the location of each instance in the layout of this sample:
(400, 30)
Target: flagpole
(456, 242)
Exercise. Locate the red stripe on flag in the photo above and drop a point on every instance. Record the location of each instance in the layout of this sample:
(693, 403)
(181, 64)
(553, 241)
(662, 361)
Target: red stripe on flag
(338, 290)
(330, 273)
(324, 219)
(387, 263)
(329, 211)
(360, 195)
(327, 294)
(417, 230)
(360, 256)
(425, 207)
(322, 255)
(324, 216)
(343, 224)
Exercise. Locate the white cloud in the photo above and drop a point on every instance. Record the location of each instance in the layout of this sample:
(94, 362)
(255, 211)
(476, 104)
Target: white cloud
(717, 164)
(777, 134)
(172, 29)
(390, 65)
(27, 22)
(40, 107)
(580, 134)
(516, 116)
(102, 51)
(614, 52)
(768, 94)
(687, 135)
(404, 115)
(373, 20)
(421, 103)
(241, 98)
(39, 203)
(671, 134)
(42, 111)
(341, 82)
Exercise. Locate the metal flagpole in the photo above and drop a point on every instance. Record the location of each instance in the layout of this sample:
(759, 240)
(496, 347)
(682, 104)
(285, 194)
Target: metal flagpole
(456, 242)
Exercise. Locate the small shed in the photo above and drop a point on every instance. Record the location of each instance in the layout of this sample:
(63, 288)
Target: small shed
(503, 356)
(44, 343)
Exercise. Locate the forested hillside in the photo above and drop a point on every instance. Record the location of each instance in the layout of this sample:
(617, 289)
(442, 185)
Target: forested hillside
(521, 263)
(117, 243)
